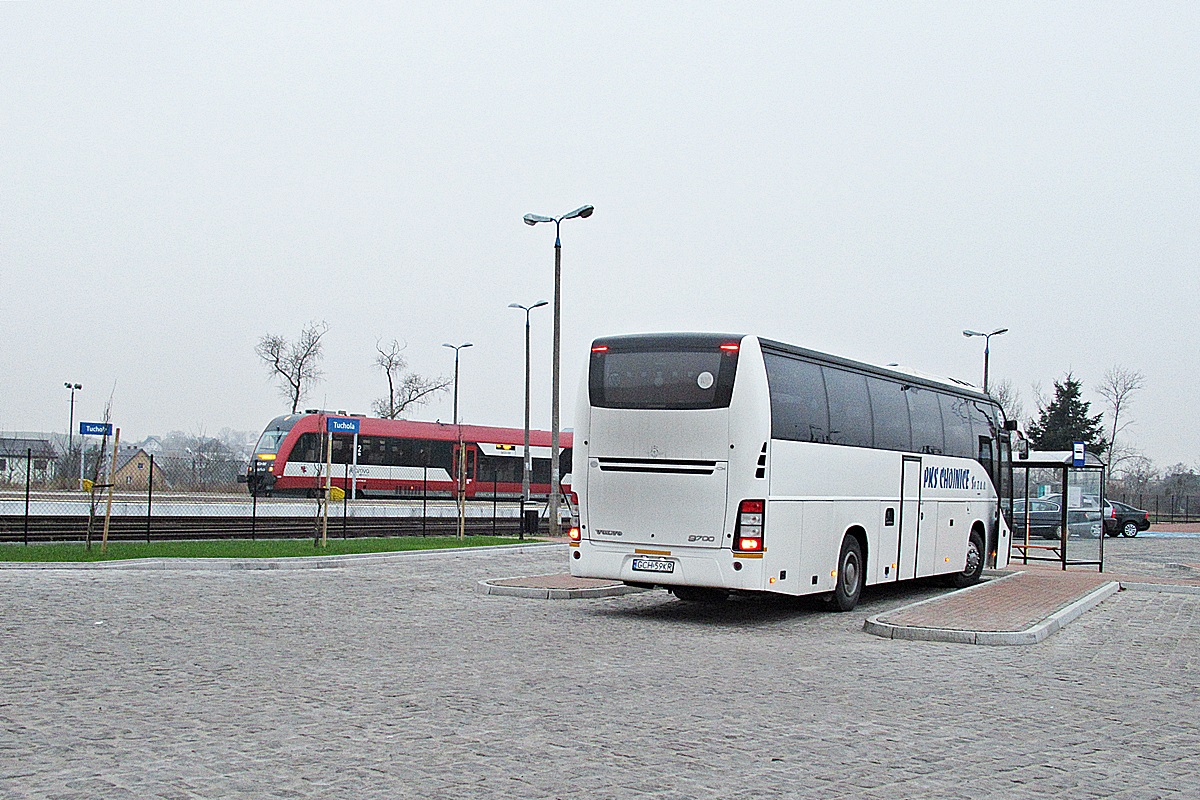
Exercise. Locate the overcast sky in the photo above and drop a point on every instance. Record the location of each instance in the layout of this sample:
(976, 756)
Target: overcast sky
(177, 180)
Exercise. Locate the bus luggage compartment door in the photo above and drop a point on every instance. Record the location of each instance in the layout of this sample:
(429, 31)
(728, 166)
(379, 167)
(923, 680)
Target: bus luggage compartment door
(661, 502)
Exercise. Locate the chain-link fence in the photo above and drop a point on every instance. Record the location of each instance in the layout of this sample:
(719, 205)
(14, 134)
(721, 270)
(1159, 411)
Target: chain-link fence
(149, 497)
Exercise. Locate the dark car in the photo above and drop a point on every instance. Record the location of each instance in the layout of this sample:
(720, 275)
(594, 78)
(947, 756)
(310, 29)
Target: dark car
(1045, 519)
(1122, 519)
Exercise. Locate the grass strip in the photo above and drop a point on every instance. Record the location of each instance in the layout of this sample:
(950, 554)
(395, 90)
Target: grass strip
(237, 548)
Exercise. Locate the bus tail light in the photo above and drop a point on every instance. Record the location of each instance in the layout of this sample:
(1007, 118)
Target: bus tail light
(573, 533)
(748, 535)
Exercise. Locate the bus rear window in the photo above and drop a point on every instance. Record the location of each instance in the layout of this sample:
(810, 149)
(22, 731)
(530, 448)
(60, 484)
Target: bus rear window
(666, 379)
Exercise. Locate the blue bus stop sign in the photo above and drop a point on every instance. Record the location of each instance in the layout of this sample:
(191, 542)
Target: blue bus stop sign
(95, 428)
(341, 425)
(1079, 454)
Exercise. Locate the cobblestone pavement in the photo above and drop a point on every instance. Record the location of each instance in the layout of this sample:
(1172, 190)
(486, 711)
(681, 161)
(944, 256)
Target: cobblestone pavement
(399, 681)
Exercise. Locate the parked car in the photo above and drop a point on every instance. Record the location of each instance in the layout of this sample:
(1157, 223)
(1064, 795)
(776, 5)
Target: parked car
(1122, 519)
(1045, 519)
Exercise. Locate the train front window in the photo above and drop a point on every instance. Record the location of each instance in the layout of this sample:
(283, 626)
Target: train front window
(270, 440)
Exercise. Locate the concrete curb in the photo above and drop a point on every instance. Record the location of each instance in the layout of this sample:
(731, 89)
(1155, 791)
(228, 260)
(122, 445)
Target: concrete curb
(1167, 588)
(1032, 635)
(290, 563)
(538, 593)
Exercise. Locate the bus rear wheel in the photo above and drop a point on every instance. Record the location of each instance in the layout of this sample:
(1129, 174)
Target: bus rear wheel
(849, 576)
(974, 568)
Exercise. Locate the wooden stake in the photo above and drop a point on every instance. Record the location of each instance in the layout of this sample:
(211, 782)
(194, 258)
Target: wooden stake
(112, 476)
(328, 486)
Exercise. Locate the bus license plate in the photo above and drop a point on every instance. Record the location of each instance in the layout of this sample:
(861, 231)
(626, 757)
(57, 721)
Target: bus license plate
(653, 565)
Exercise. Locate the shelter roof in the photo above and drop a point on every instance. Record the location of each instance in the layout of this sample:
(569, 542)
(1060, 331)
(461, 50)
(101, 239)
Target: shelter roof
(1056, 458)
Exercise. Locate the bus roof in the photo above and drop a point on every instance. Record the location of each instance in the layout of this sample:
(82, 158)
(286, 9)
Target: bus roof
(639, 341)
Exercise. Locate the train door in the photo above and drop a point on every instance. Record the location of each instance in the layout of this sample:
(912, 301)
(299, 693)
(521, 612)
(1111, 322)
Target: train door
(464, 466)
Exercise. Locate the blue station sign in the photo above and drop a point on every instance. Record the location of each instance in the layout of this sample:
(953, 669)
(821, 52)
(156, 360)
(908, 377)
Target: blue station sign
(95, 428)
(341, 425)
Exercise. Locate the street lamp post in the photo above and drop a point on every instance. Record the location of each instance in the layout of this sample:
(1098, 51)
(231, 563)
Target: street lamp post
(987, 341)
(555, 486)
(71, 427)
(460, 472)
(528, 459)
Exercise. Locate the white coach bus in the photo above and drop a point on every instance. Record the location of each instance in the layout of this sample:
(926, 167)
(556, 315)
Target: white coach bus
(710, 463)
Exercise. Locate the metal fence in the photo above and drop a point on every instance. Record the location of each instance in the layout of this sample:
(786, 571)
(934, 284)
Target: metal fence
(1166, 508)
(180, 498)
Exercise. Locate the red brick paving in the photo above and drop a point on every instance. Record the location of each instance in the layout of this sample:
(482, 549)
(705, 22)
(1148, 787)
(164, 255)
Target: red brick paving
(1017, 602)
(1014, 603)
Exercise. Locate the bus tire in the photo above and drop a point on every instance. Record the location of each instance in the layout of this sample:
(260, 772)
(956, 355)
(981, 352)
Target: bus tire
(976, 554)
(849, 576)
(699, 594)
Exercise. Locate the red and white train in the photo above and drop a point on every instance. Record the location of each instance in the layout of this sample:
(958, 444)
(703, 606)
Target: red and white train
(400, 458)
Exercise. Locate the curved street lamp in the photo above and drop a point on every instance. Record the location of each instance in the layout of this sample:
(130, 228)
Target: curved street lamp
(74, 387)
(527, 466)
(456, 348)
(583, 212)
(987, 341)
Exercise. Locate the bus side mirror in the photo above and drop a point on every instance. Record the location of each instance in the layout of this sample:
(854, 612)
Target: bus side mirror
(1010, 424)
(1022, 448)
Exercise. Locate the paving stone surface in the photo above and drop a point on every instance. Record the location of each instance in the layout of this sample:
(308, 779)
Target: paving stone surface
(399, 681)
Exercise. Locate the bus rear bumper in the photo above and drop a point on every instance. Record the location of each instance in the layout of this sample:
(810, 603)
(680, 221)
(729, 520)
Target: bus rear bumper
(689, 566)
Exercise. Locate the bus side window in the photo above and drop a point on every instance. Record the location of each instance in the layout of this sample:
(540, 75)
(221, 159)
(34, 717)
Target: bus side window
(985, 456)
(956, 420)
(890, 413)
(926, 415)
(799, 411)
(849, 408)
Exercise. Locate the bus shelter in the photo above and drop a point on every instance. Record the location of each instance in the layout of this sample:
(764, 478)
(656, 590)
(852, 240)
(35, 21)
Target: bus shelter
(1058, 509)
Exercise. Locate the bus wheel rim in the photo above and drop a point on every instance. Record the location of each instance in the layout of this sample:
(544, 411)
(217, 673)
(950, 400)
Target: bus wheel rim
(973, 558)
(850, 573)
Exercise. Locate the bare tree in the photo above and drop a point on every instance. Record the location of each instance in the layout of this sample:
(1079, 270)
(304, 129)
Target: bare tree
(294, 364)
(1138, 475)
(1117, 387)
(405, 390)
(1040, 401)
(1009, 398)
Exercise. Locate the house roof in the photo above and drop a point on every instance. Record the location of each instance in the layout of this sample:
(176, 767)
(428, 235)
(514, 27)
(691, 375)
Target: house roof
(12, 447)
(127, 454)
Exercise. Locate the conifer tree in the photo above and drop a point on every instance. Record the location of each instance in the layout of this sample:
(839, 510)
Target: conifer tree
(1065, 420)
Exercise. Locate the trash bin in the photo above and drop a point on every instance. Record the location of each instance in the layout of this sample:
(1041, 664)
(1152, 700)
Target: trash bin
(529, 525)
